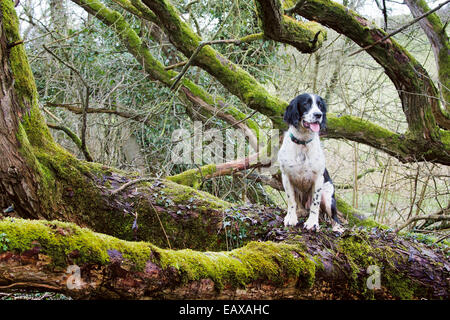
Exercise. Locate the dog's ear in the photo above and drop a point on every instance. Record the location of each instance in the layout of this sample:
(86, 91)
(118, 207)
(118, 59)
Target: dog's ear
(292, 115)
(323, 108)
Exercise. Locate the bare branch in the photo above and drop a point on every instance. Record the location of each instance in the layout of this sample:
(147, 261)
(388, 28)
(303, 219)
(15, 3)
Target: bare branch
(430, 217)
(401, 28)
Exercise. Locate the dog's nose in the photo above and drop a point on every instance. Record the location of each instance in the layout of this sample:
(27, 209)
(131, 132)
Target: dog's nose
(317, 115)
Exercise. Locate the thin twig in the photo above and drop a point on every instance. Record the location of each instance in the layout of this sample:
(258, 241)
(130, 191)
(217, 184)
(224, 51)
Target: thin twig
(29, 284)
(68, 65)
(443, 238)
(176, 65)
(84, 118)
(13, 44)
(129, 183)
(400, 29)
(85, 101)
(71, 135)
(162, 226)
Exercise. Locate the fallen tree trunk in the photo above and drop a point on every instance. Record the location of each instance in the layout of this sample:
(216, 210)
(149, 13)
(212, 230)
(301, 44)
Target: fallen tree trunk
(62, 257)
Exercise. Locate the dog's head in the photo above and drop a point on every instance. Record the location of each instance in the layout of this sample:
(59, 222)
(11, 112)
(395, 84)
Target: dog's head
(308, 111)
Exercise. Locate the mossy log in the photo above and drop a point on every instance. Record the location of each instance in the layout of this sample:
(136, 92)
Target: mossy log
(62, 257)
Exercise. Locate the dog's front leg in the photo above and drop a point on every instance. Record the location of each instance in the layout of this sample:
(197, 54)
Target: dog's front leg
(313, 219)
(291, 217)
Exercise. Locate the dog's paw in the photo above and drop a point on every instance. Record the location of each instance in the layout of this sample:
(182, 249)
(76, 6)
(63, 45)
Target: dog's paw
(290, 220)
(312, 223)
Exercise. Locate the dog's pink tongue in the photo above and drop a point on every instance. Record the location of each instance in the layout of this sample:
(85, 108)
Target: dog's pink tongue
(315, 127)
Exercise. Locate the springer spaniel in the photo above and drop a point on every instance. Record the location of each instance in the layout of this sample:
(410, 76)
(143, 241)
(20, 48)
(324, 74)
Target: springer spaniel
(305, 179)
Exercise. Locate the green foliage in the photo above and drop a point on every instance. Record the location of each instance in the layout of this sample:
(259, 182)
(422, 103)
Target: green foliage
(3, 242)
(233, 20)
(236, 229)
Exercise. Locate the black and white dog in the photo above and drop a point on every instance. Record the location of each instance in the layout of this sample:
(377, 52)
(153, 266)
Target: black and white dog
(305, 179)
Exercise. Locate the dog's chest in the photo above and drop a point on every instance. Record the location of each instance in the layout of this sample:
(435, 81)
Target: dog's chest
(301, 164)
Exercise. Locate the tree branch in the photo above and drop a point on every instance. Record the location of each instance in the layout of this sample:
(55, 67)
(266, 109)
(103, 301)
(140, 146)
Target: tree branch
(359, 176)
(406, 148)
(200, 46)
(400, 29)
(195, 177)
(124, 114)
(233, 78)
(85, 102)
(156, 70)
(74, 138)
(307, 37)
(430, 217)
(437, 35)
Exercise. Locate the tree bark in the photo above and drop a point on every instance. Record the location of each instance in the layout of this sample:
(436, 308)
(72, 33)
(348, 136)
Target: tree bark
(18, 183)
(307, 37)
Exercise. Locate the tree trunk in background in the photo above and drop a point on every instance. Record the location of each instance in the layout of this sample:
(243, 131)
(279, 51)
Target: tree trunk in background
(58, 15)
(132, 151)
(438, 38)
(18, 183)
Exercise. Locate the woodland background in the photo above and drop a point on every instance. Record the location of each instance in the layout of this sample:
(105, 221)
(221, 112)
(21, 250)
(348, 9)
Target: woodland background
(368, 179)
(103, 105)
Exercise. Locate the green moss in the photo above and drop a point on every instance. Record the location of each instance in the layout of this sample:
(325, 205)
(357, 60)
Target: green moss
(445, 138)
(194, 177)
(255, 261)
(357, 126)
(24, 83)
(301, 34)
(353, 216)
(400, 286)
(181, 193)
(288, 4)
(360, 255)
(432, 18)
(58, 239)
